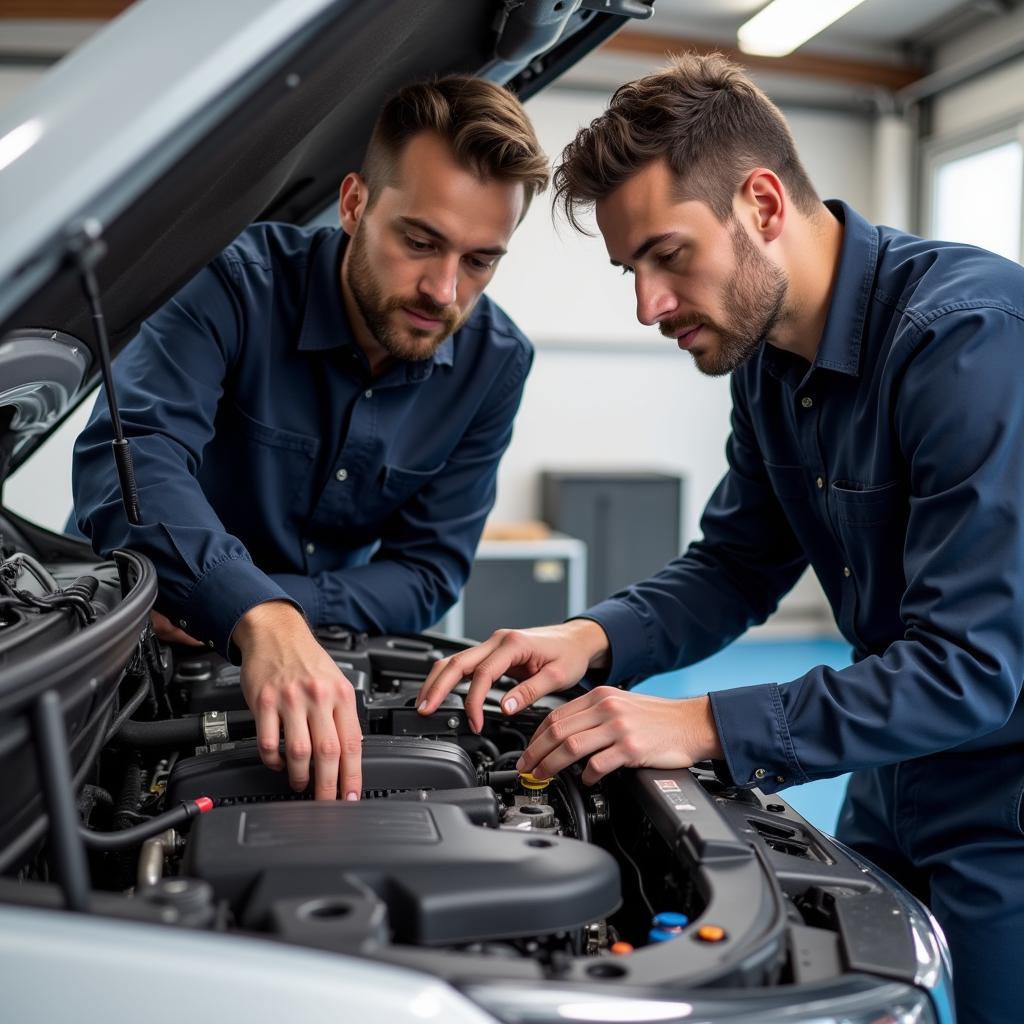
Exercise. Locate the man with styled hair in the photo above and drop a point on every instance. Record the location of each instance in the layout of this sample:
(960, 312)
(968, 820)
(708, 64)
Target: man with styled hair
(317, 418)
(876, 436)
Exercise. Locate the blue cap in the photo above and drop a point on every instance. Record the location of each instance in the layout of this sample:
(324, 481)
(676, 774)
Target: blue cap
(670, 919)
(662, 935)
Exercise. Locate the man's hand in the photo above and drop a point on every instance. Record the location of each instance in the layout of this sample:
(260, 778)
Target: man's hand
(170, 634)
(289, 680)
(622, 730)
(546, 659)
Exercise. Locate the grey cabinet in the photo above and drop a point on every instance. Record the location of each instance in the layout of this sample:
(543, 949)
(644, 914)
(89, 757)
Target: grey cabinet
(630, 521)
(514, 584)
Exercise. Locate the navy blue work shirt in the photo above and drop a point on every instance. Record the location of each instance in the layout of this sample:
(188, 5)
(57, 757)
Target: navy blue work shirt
(271, 464)
(894, 466)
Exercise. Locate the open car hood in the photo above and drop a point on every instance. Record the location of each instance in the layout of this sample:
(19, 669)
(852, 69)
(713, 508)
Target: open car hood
(178, 125)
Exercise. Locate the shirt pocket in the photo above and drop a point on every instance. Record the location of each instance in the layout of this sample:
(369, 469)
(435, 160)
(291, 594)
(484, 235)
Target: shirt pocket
(872, 528)
(858, 505)
(272, 463)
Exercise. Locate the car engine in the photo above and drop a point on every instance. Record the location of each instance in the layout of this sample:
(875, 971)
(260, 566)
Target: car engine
(451, 863)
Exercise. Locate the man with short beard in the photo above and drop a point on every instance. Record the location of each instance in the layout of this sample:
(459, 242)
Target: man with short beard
(878, 413)
(317, 418)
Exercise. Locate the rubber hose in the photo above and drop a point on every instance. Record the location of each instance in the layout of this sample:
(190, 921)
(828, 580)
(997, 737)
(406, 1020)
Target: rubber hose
(137, 834)
(180, 732)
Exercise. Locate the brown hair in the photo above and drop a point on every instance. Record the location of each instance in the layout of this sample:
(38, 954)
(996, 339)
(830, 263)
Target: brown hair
(705, 117)
(484, 124)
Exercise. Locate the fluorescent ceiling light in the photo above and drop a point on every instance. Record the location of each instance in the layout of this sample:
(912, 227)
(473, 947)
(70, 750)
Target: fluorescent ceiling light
(786, 24)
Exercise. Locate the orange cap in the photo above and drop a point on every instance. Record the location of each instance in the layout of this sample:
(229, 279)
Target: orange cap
(711, 933)
(621, 948)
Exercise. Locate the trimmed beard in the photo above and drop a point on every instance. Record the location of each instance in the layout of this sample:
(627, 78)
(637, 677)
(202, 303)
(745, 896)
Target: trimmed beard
(378, 312)
(755, 298)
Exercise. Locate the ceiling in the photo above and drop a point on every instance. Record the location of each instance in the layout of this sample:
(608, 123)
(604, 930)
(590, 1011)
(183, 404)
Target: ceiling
(880, 44)
(877, 28)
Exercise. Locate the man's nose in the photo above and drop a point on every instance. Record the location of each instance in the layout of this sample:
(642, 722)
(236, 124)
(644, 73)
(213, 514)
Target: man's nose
(654, 301)
(440, 283)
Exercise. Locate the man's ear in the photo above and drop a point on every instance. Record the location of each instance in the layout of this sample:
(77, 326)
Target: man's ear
(352, 200)
(764, 202)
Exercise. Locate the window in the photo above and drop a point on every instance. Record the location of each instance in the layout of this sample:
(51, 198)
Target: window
(976, 195)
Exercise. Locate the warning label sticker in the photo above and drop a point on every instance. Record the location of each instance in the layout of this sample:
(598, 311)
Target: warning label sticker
(674, 795)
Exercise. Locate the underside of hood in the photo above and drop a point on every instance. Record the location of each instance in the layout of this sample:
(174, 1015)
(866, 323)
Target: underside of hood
(178, 125)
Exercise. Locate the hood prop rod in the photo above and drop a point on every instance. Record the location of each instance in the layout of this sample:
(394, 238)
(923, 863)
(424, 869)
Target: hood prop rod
(87, 248)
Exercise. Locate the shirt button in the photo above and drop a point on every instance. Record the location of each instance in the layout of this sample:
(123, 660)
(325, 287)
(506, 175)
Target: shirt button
(310, 548)
(368, 393)
(341, 475)
(780, 778)
(807, 402)
(820, 482)
(760, 773)
(182, 623)
(846, 571)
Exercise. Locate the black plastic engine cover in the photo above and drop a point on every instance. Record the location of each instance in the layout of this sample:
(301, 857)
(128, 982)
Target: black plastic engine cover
(207, 682)
(236, 774)
(443, 879)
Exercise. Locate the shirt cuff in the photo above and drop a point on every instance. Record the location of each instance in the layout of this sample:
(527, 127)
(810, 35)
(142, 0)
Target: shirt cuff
(303, 590)
(220, 597)
(755, 737)
(628, 646)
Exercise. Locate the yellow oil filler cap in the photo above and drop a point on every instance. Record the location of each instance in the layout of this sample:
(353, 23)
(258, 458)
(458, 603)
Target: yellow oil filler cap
(530, 782)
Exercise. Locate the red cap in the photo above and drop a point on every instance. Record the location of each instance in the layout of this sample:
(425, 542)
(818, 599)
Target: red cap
(204, 803)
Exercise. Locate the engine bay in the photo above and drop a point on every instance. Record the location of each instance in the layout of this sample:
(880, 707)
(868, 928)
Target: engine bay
(452, 862)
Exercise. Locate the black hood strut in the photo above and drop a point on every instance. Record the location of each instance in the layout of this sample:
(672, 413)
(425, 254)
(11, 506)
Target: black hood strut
(86, 247)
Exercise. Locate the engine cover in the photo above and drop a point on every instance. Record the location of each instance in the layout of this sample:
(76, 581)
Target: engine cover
(235, 774)
(441, 879)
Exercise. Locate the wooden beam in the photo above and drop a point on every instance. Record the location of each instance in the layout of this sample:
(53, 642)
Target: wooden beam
(88, 10)
(855, 72)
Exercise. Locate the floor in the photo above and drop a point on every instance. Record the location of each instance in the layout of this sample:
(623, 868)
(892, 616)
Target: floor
(766, 661)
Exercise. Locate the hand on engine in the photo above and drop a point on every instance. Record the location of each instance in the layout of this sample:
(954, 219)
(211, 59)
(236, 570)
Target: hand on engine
(290, 681)
(615, 729)
(547, 659)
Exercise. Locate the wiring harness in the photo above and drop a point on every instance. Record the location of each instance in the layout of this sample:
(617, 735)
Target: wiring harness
(77, 597)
